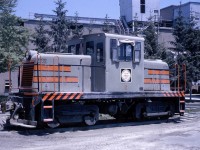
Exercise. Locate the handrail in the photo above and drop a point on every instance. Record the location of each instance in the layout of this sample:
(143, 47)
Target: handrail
(178, 82)
(185, 76)
(40, 72)
(54, 71)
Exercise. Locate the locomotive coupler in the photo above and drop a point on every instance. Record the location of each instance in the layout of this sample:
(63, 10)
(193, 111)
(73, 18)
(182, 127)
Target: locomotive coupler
(7, 106)
(14, 105)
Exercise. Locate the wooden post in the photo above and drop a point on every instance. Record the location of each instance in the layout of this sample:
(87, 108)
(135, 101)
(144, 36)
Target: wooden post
(178, 78)
(9, 73)
(185, 76)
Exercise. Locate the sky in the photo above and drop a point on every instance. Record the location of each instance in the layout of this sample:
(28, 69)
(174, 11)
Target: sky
(85, 8)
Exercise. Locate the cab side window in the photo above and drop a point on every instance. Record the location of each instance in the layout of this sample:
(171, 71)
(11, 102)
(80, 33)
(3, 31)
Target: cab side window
(71, 49)
(90, 48)
(137, 51)
(99, 52)
(114, 50)
(75, 49)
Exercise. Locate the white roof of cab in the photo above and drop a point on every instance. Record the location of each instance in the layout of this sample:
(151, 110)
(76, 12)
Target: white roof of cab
(124, 36)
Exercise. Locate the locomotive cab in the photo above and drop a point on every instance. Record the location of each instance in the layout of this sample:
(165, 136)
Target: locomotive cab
(117, 58)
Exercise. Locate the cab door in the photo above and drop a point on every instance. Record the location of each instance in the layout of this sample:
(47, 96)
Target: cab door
(99, 68)
(97, 52)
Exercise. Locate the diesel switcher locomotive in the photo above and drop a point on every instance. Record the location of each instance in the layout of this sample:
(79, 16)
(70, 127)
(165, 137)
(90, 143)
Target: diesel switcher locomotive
(100, 74)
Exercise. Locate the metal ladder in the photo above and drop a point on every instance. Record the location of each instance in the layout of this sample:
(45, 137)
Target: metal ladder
(48, 111)
(120, 27)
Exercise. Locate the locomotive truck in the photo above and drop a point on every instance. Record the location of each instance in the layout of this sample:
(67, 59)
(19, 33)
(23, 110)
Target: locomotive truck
(100, 73)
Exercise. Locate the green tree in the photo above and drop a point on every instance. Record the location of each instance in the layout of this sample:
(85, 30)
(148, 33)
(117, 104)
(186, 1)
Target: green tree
(60, 28)
(197, 55)
(179, 36)
(151, 41)
(135, 26)
(192, 48)
(13, 36)
(180, 59)
(90, 27)
(187, 46)
(106, 28)
(77, 29)
(40, 38)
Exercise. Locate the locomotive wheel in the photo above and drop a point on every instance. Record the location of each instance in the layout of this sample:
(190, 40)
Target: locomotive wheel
(90, 120)
(53, 124)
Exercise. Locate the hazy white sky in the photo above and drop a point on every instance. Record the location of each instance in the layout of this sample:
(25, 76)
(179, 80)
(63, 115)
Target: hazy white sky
(85, 8)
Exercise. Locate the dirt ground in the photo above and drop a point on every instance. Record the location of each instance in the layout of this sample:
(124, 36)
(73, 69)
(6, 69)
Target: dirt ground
(178, 133)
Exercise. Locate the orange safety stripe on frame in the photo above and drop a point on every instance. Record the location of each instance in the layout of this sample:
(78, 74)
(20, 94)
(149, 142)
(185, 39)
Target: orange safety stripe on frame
(46, 96)
(158, 72)
(72, 96)
(66, 96)
(156, 81)
(164, 94)
(53, 96)
(79, 96)
(171, 94)
(176, 94)
(179, 94)
(55, 79)
(52, 68)
(62, 96)
(59, 96)
(183, 94)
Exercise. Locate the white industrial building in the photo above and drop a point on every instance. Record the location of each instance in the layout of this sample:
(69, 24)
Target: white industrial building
(188, 10)
(140, 10)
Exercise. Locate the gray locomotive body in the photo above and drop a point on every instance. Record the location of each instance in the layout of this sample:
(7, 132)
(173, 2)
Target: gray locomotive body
(101, 73)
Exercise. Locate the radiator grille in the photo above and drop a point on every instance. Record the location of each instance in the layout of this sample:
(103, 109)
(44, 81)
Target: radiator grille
(27, 74)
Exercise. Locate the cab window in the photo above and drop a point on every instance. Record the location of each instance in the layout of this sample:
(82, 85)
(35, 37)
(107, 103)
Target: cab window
(89, 48)
(137, 51)
(125, 52)
(71, 49)
(114, 50)
(75, 49)
(99, 52)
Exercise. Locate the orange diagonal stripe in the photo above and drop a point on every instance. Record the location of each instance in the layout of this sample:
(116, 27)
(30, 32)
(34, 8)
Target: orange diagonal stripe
(60, 95)
(52, 97)
(46, 96)
(79, 96)
(66, 96)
